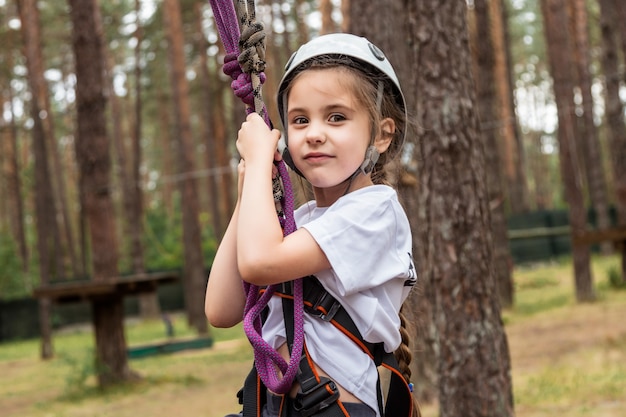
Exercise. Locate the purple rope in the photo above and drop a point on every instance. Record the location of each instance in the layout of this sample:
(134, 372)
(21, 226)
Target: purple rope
(266, 358)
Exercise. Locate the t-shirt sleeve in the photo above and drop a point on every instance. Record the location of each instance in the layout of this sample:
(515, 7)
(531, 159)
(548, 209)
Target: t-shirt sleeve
(362, 241)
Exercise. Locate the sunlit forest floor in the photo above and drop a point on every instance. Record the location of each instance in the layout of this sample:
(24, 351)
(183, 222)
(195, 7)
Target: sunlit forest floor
(567, 360)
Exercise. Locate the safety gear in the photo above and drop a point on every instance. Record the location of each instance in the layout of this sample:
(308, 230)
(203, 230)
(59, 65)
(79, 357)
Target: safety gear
(339, 44)
(319, 396)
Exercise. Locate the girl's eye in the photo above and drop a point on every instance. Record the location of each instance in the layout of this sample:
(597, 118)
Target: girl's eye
(299, 120)
(336, 117)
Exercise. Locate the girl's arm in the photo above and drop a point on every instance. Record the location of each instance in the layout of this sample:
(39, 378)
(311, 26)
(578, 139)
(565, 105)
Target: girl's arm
(225, 297)
(264, 256)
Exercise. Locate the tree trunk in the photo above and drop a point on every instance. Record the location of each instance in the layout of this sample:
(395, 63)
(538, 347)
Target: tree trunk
(11, 173)
(194, 272)
(92, 152)
(345, 12)
(207, 106)
(50, 259)
(302, 29)
(488, 105)
(455, 250)
(29, 15)
(620, 14)
(148, 302)
(326, 10)
(166, 142)
(516, 186)
(614, 110)
(111, 362)
(590, 149)
(128, 173)
(561, 65)
(384, 25)
(539, 167)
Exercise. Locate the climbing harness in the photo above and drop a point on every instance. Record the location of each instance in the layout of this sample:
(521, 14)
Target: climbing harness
(317, 395)
(244, 42)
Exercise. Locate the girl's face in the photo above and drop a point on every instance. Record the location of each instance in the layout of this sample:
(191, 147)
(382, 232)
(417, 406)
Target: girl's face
(328, 130)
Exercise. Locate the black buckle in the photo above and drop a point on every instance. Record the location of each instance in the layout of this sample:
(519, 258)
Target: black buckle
(323, 304)
(316, 398)
(325, 307)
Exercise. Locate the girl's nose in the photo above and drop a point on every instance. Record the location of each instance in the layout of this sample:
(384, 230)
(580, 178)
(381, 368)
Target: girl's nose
(315, 133)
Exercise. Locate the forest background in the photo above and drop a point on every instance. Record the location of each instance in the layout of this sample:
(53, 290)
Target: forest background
(133, 172)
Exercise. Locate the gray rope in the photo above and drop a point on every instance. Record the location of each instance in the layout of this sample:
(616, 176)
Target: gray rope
(252, 50)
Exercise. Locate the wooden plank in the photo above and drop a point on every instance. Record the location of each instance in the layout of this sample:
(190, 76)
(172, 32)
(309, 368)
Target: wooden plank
(74, 291)
(539, 232)
(614, 234)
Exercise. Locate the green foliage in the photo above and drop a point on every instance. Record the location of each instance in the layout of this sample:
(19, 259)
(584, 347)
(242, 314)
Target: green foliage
(615, 279)
(11, 275)
(164, 249)
(81, 368)
(164, 239)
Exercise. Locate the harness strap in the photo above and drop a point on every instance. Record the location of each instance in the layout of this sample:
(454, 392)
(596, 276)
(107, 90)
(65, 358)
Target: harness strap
(317, 395)
(320, 303)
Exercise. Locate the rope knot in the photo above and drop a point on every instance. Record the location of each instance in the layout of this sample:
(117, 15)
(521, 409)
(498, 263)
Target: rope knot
(242, 82)
(252, 47)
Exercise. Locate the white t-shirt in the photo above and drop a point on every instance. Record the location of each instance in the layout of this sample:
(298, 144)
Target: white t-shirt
(367, 239)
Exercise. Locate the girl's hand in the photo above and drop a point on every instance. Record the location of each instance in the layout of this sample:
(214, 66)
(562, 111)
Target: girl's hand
(256, 141)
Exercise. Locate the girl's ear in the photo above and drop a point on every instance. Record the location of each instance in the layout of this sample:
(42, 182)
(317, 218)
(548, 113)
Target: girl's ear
(387, 129)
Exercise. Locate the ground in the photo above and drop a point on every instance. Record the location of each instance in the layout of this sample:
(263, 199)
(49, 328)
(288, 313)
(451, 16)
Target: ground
(567, 359)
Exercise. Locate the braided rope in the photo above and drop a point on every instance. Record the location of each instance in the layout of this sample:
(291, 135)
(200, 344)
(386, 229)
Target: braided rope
(245, 63)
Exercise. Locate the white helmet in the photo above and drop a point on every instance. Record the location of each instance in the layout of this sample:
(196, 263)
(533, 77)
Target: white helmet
(339, 44)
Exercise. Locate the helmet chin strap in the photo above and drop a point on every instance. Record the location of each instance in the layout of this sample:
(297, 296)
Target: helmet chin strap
(371, 157)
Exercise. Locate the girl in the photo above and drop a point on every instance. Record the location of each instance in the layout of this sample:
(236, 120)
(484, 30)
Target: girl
(344, 118)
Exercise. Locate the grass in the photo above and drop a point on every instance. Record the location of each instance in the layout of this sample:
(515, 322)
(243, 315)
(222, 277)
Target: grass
(567, 359)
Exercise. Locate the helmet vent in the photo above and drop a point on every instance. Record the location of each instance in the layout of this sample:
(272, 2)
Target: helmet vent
(376, 52)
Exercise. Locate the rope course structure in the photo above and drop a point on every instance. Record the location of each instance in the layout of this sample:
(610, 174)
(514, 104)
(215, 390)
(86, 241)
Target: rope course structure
(244, 42)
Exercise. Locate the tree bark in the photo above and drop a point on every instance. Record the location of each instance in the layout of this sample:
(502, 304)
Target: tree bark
(92, 152)
(207, 106)
(385, 26)
(560, 57)
(111, 361)
(50, 259)
(588, 133)
(539, 167)
(29, 15)
(488, 105)
(516, 187)
(326, 10)
(614, 110)
(455, 250)
(447, 206)
(166, 142)
(620, 14)
(11, 173)
(194, 272)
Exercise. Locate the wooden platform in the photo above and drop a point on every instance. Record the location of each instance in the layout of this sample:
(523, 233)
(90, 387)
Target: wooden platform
(617, 235)
(85, 290)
